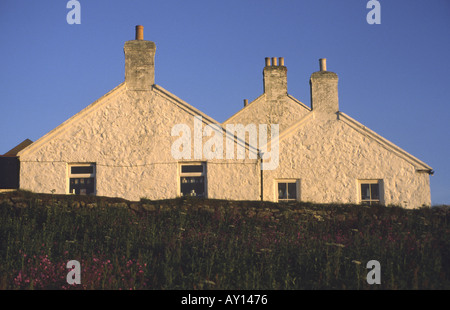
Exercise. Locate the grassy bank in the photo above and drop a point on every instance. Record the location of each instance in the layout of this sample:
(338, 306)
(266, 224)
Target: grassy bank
(210, 244)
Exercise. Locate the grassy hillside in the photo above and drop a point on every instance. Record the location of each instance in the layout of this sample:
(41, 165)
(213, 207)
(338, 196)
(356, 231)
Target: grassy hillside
(215, 244)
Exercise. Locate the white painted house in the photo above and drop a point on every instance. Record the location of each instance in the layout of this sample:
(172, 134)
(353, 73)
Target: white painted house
(141, 141)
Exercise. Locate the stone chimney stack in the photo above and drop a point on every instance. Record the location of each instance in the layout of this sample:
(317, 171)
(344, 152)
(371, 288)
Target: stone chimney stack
(275, 78)
(139, 62)
(324, 90)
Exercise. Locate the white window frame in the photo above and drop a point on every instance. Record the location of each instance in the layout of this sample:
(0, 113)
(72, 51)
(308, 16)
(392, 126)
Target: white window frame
(297, 189)
(81, 175)
(192, 174)
(371, 201)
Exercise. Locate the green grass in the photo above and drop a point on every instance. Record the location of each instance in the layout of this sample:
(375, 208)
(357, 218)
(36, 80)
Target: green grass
(190, 246)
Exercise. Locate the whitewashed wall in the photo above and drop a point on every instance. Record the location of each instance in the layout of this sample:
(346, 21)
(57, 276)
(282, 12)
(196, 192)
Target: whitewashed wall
(127, 135)
(329, 156)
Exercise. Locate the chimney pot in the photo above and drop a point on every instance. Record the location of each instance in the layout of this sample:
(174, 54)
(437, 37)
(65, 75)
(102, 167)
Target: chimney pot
(267, 61)
(323, 64)
(139, 32)
(245, 102)
(275, 78)
(274, 61)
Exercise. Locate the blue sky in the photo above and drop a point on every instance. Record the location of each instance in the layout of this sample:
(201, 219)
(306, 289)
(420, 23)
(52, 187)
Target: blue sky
(393, 77)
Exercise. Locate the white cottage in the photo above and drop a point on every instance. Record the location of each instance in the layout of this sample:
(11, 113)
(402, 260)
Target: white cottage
(141, 141)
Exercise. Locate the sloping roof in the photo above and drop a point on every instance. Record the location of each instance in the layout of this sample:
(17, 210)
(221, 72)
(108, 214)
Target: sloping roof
(262, 96)
(420, 165)
(183, 104)
(417, 163)
(156, 88)
(13, 152)
(28, 145)
(243, 109)
(206, 118)
(54, 132)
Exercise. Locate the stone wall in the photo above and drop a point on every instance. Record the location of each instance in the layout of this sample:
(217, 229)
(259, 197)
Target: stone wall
(251, 209)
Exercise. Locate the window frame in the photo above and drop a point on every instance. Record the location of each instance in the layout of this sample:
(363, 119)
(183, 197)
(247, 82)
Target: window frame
(182, 174)
(287, 181)
(371, 182)
(92, 175)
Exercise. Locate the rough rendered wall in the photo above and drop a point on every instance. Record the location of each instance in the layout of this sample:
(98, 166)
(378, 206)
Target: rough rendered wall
(329, 157)
(285, 112)
(127, 134)
(43, 177)
(122, 135)
(234, 180)
(128, 137)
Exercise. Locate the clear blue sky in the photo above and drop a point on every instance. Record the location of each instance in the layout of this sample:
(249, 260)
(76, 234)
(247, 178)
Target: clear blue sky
(393, 77)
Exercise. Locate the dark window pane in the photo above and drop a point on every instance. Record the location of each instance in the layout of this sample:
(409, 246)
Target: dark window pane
(82, 186)
(374, 192)
(282, 191)
(82, 170)
(292, 191)
(365, 191)
(191, 168)
(193, 186)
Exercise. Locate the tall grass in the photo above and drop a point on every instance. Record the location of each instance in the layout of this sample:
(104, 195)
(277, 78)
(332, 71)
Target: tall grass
(299, 247)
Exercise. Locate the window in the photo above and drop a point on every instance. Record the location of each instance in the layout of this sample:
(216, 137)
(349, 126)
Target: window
(287, 191)
(370, 191)
(193, 180)
(82, 179)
